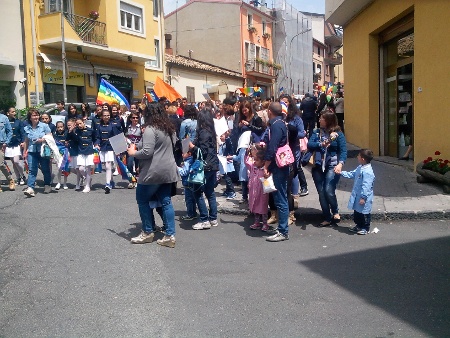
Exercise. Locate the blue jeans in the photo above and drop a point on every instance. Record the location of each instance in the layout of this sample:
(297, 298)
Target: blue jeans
(144, 194)
(280, 178)
(34, 159)
(189, 200)
(229, 184)
(130, 161)
(326, 188)
(208, 189)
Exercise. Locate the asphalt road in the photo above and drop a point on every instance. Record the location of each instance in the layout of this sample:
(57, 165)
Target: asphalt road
(67, 269)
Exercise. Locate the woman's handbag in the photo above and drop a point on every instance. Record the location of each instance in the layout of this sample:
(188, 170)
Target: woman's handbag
(46, 151)
(196, 171)
(284, 156)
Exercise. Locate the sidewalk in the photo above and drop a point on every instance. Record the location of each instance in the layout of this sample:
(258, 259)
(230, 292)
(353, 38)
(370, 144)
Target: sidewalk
(397, 194)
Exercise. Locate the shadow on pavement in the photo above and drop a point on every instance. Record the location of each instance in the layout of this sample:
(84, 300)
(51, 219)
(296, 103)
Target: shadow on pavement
(410, 281)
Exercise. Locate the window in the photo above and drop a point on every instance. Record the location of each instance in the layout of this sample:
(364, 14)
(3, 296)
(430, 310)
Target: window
(155, 63)
(156, 8)
(250, 20)
(264, 28)
(318, 50)
(55, 6)
(131, 18)
(190, 94)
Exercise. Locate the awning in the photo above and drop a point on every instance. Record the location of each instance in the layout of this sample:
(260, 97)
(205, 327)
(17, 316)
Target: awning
(55, 62)
(6, 63)
(130, 73)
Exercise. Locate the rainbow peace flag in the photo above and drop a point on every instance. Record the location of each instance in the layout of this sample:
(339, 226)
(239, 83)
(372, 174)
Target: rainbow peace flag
(123, 170)
(107, 93)
(151, 96)
(248, 91)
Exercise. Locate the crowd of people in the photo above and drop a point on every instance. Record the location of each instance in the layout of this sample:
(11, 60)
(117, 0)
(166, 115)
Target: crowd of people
(166, 140)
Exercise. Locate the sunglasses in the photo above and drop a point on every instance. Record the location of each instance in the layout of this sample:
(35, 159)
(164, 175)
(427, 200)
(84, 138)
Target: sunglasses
(135, 118)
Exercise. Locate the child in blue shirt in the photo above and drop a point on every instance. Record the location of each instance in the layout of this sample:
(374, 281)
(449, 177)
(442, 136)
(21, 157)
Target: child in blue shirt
(60, 136)
(226, 149)
(188, 193)
(362, 193)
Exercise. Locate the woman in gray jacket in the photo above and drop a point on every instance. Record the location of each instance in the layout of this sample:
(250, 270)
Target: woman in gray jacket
(156, 174)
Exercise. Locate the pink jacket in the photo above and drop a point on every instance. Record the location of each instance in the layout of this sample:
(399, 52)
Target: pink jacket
(257, 201)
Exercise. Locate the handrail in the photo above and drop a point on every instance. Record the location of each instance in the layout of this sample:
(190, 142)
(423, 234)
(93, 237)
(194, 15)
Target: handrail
(89, 30)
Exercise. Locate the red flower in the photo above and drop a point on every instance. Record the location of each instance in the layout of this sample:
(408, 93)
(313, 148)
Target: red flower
(429, 159)
(446, 161)
(425, 161)
(437, 153)
(442, 165)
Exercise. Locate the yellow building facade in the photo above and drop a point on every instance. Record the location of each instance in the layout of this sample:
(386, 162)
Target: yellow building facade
(396, 67)
(118, 40)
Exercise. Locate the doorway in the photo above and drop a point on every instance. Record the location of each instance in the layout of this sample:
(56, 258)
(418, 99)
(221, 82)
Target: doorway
(397, 120)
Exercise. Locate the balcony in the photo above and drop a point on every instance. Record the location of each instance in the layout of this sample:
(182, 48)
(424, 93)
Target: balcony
(83, 35)
(90, 31)
(334, 59)
(260, 68)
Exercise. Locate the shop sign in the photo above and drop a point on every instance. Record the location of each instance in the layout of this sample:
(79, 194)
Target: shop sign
(121, 83)
(56, 77)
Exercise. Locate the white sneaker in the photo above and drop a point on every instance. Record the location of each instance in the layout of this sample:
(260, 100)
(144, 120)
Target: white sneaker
(214, 223)
(65, 187)
(278, 237)
(143, 238)
(201, 225)
(29, 192)
(115, 173)
(57, 186)
(86, 189)
(47, 189)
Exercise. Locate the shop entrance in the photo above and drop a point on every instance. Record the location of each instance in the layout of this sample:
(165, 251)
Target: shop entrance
(398, 60)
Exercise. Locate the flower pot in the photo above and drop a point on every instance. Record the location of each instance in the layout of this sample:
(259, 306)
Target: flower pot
(432, 176)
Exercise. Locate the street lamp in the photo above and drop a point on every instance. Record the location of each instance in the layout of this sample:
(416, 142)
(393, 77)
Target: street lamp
(290, 51)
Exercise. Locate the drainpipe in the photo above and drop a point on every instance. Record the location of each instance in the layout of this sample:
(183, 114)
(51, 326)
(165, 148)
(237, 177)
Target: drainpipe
(33, 39)
(24, 52)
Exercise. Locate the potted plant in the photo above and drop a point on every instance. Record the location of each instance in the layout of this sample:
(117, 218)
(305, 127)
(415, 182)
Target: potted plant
(266, 36)
(252, 29)
(276, 66)
(435, 170)
(94, 15)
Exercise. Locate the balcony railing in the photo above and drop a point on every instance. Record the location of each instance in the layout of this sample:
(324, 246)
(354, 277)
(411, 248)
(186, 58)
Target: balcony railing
(257, 66)
(90, 31)
(334, 59)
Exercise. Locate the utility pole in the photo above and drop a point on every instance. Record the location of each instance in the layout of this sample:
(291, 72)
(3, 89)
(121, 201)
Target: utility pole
(63, 53)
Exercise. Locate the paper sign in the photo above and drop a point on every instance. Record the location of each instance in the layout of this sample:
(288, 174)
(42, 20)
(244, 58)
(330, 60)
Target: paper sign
(88, 123)
(118, 143)
(57, 118)
(185, 145)
(224, 165)
(206, 96)
(221, 126)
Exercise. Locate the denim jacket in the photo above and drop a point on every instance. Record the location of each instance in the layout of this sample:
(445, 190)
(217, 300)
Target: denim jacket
(336, 151)
(5, 129)
(32, 134)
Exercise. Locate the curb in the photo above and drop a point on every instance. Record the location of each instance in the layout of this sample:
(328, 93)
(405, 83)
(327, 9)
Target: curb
(378, 216)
